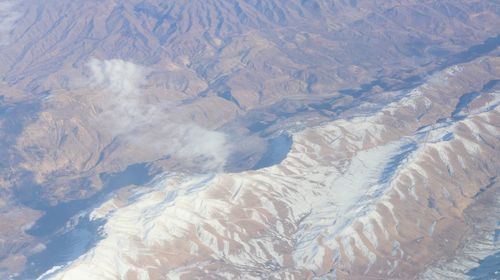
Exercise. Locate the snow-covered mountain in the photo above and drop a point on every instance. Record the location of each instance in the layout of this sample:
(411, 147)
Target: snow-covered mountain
(383, 196)
(249, 139)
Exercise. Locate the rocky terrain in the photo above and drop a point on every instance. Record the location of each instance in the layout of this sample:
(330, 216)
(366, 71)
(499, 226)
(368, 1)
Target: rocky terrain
(382, 196)
(249, 139)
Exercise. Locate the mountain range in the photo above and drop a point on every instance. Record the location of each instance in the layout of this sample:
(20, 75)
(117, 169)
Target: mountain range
(312, 139)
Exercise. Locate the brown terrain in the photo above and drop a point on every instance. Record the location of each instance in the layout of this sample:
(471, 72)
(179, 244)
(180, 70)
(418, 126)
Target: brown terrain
(316, 138)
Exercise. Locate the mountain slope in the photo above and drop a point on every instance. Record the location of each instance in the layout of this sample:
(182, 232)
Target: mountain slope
(98, 98)
(365, 197)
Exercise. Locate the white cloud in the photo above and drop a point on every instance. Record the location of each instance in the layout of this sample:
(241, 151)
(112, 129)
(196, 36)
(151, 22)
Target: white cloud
(9, 15)
(150, 126)
(120, 84)
(116, 75)
(201, 148)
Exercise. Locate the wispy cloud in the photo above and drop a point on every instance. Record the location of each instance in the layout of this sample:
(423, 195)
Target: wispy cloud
(126, 113)
(119, 82)
(9, 15)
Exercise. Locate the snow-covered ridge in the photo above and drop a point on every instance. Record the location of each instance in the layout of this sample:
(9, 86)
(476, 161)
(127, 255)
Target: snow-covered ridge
(369, 196)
